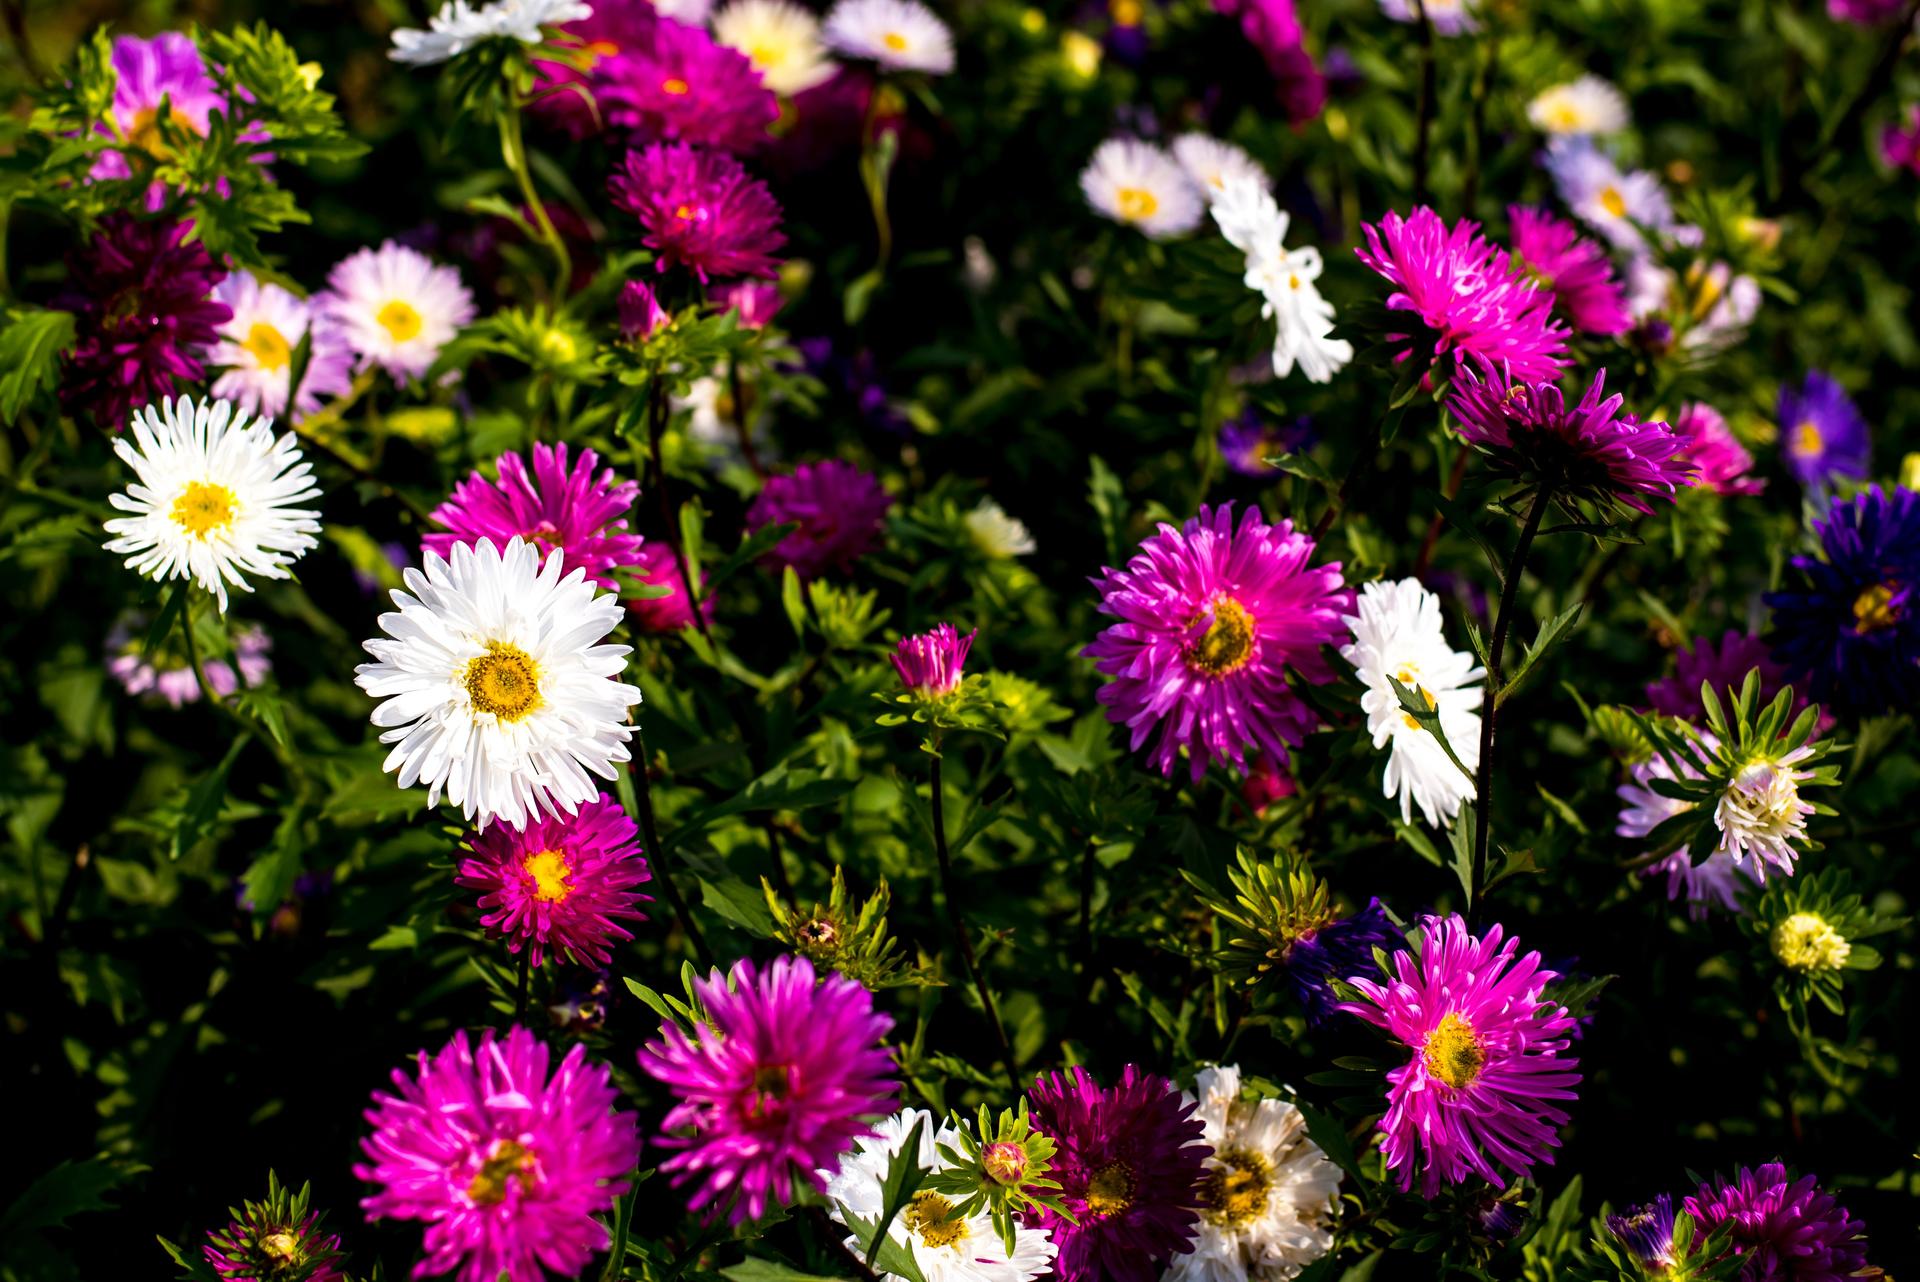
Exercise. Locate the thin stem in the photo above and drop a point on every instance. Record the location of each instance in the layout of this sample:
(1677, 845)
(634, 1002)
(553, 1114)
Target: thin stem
(1477, 134)
(741, 422)
(520, 988)
(1369, 450)
(1086, 919)
(957, 924)
(513, 150)
(1454, 479)
(1876, 82)
(669, 514)
(643, 796)
(782, 884)
(1423, 125)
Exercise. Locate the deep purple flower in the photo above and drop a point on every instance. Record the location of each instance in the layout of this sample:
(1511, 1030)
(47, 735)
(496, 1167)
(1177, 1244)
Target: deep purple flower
(1721, 463)
(1783, 1230)
(700, 210)
(678, 84)
(839, 508)
(1646, 1232)
(1823, 436)
(1247, 442)
(1130, 1162)
(929, 663)
(1340, 948)
(781, 1082)
(1725, 665)
(657, 564)
(1577, 271)
(557, 506)
(641, 316)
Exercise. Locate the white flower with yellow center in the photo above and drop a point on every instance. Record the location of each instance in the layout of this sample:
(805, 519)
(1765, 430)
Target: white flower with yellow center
(997, 534)
(1255, 224)
(1397, 633)
(495, 688)
(900, 35)
(781, 39)
(1211, 162)
(1588, 105)
(395, 308)
(1139, 184)
(946, 1247)
(1761, 814)
(1267, 1203)
(216, 499)
(459, 26)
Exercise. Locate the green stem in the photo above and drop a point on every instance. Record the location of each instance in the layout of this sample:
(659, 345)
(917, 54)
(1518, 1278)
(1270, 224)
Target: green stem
(958, 925)
(513, 151)
(643, 799)
(520, 988)
(669, 511)
(1423, 124)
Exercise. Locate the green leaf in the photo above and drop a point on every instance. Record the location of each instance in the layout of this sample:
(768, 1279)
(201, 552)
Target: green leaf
(1107, 497)
(1460, 837)
(1414, 703)
(1302, 465)
(780, 788)
(203, 802)
(755, 1269)
(1555, 631)
(30, 349)
(69, 1189)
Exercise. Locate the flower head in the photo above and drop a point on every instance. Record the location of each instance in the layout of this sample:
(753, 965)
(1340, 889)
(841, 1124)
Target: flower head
(779, 1083)
(505, 1163)
(657, 565)
(1587, 105)
(679, 85)
(395, 308)
(1723, 665)
(1808, 942)
(929, 663)
(1614, 203)
(1865, 13)
(595, 48)
(840, 510)
(780, 38)
(1577, 271)
(899, 35)
(995, 533)
(556, 507)
(1783, 1230)
(459, 26)
(1210, 163)
(1761, 814)
(164, 73)
(1647, 1233)
(1252, 222)
(169, 674)
(754, 303)
(1824, 438)
(257, 344)
(1334, 950)
(277, 1240)
(1721, 463)
(1140, 185)
(700, 210)
(1249, 440)
(1900, 143)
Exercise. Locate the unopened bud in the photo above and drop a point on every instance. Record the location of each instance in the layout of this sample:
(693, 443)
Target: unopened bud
(1005, 1162)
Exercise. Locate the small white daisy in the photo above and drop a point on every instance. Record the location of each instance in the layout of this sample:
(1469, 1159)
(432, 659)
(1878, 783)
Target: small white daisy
(1139, 184)
(257, 347)
(945, 1247)
(996, 533)
(901, 35)
(781, 39)
(458, 27)
(1269, 1192)
(1760, 815)
(395, 308)
(1303, 320)
(1588, 105)
(1398, 634)
(215, 498)
(495, 688)
(1211, 162)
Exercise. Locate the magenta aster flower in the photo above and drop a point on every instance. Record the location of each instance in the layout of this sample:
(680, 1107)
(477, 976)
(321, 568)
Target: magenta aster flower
(1865, 13)
(144, 316)
(1783, 1230)
(562, 884)
(1590, 451)
(701, 210)
(1130, 1162)
(506, 1165)
(1488, 1053)
(781, 1081)
(756, 302)
(1900, 143)
(929, 663)
(1210, 618)
(276, 1240)
(840, 510)
(641, 316)
(1273, 28)
(1720, 461)
(1577, 271)
(679, 84)
(1467, 293)
(556, 507)
(658, 564)
(596, 48)
(1725, 665)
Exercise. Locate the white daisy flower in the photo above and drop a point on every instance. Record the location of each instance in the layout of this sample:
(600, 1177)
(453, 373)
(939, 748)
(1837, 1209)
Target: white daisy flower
(1269, 1192)
(395, 308)
(215, 500)
(900, 35)
(1303, 320)
(458, 27)
(946, 1248)
(257, 346)
(1139, 184)
(495, 688)
(781, 39)
(1761, 815)
(1588, 105)
(1398, 634)
(996, 533)
(1210, 162)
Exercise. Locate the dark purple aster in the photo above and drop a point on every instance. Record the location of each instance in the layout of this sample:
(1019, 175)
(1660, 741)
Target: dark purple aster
(1646, 1232)
(144, 314)
(1783, 1230)
(701, 210)
(1247, 442)
(1337, 949)
(1725, 663)
(1822, 436)
(840, 511)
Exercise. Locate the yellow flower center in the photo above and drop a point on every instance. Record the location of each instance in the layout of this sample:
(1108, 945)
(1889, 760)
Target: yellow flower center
(504, 681)
(1805, 942)
(400, 320)
(591, 54)
(1235, 1193)
(685, 213)
(1807, 441)
(280, 1246)
(932, 1217)
(1564, 116)
(507, 1160)
(894, 41)
(1136, 203)
(1126, 13)
(1612, 201)
(204, 508)
(549, 870)
(1452, 1052)
(765, 57)
(1110, 1191)
(1227, 643)
(1874, 608)
(1410, 676)
(268, 346)
(144, 132)
(673, 85)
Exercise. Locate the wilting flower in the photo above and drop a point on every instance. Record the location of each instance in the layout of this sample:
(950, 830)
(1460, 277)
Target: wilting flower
(257, 343)
(1489, 1052)
(997, 534)
(495, 688)
(840, 511)
(656, 564)
(1720, 462)
(778, 1084)
(1130, 1166)
(277, 1240)
(1248, 441)
(1783, 1230)
(1647, 1233)
(1449, 17)
(1723, 665)
(1576, 270)
(700, 210)
(395, 308)
(1210, 163)
(780, 38)
(556, 507)
(458, 27)
(1825, 437)
(1253, 223)
(899, 35)
(1208, 620)
(1140, 185)
(1604, 197)
(679, 85)
(505, 1164)
(1587, 105)
(170, 676)
(561, 884)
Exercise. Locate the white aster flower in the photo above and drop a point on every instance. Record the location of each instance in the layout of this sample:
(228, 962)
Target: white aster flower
(1269, 1192)
(900, 35)
(996, 533)
(1303, 320)
(1398, 634)
(496, 690)
(1210, 162)
(1761, 815)
(458, 27)
(781, 39)
(395, 308)
(215, 500)
(1605, 197)
(1139, 184)
(257, 346)
(946, 1248)
(1588, 105)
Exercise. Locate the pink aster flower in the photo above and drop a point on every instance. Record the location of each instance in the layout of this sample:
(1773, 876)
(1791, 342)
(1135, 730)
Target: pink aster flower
(1783, 1229)
(679, 84)
(641, 316)
(568, 91)
(701, 210)
(557, 507)
(1468, 294)
(1900, 144)
(782, 1080)
(147, 73)
(755, 301)
(840, 511)
(658, 564)
(929, 663)
(1130, 1161)
(562, 884)
(1488, 1055)
(1865, 13)
(1577, 271)
(1209, 619)
(1720, 461)
(506, 1164)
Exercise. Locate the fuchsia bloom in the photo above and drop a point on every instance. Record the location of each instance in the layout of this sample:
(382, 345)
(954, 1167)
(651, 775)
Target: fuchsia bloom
(1472, 298)
(657, 564)
(929, 663)
(168, 68)
(1488, 1055)
(641, 315)
(840, 510)
(783, 1080)
(701, 210)
(272, 1240)
(504, 1164)
(1130, 1162)
(1272, 27)
(678, 84)
(598, 47)
(1721, 462)
(756, 301)
(1577, 271)
(1210, 618)
(1783, 1230)
(1900, 144)
(1866, 13)
(561, 884)
(562, 507)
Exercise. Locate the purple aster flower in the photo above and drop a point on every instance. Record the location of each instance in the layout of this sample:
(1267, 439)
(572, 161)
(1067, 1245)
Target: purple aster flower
(1725, 665)
(1613, 202)
(1577, 271)
(1866, 13)
(929, 663)
(1449, 17)
(656, 563)
(1851, 620)
(144, 315)
(755, 302)
(557, 507)
(1825, 438)
(597, 48)
(641, 316)
(1470, 296)
(700, 210)
(1210, 619)
(562, 884)
(1900, 144)
(1714, 882)
(1721, 463)
(781, 1081)
(1646, 1233)
(277, 1240)
(1488, 1055)
(1340, 948)
(170, 675)
(1130, 1161)
(1247, 442)
(1589, 450)
(1783, 1230)
(1273, 28)
(147, 73)
(839, 508)
(506, 1164)
(678, 84)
